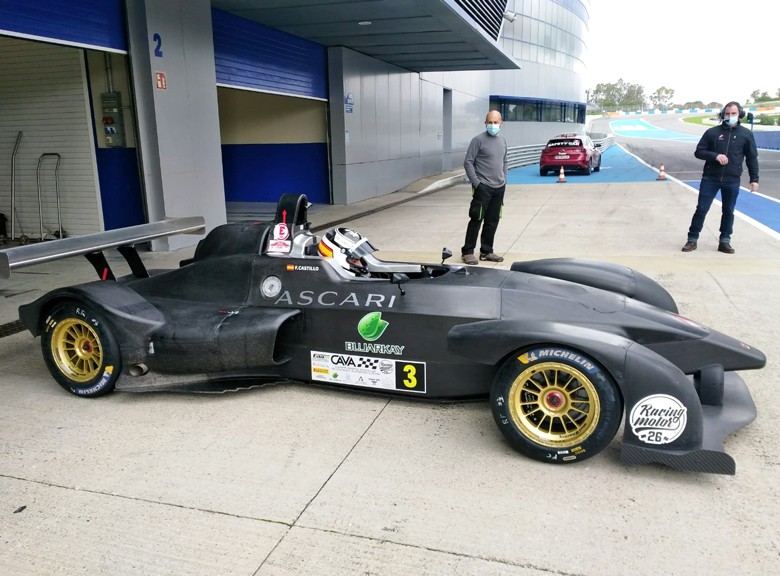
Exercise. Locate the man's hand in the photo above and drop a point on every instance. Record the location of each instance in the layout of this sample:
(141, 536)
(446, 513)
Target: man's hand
(754, 186)
(722, 159)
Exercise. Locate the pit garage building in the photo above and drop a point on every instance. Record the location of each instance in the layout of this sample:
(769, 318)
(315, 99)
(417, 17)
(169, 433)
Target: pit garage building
(119, 112)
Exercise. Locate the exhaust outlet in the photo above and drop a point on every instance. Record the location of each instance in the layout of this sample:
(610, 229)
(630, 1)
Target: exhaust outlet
(138, 370)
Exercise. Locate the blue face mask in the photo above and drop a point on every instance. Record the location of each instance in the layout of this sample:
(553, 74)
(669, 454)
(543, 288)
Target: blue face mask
(731, 120)
(492, 129)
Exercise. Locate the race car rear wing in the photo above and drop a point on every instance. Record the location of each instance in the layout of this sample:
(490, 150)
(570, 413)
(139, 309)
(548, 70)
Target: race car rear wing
(93, 245)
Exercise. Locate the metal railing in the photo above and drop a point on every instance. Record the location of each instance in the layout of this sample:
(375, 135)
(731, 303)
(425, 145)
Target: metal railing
(523, 155)
(606, 140)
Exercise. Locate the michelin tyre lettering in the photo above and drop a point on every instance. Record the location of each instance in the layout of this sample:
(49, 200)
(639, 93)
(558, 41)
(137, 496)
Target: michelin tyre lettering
(556, 405)
(79, 350)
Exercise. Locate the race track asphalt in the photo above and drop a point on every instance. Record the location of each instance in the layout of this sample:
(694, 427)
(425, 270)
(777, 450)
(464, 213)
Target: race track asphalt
(618, 165)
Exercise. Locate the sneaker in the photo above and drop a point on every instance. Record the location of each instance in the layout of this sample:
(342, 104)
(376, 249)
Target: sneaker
(491, 257)
(469, 259)
(689, 246)
(726, 248)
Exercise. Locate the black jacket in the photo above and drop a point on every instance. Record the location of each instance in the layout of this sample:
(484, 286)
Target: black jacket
(735, 142)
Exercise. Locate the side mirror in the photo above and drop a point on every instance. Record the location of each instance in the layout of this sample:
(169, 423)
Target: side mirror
(445, 253)
(399, 278)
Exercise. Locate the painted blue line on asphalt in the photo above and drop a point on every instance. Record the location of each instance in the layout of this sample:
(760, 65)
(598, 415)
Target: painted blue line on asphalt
(762, 209)
(617, 165)
(643, 129)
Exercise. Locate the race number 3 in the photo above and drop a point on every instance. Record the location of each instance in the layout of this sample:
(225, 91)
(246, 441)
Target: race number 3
(410, 376)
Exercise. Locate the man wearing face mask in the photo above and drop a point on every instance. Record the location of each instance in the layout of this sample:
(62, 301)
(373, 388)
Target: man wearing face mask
(486, 168)
(723, 148)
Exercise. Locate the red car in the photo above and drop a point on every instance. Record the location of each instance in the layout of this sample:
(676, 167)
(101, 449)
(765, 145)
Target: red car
(572, 152)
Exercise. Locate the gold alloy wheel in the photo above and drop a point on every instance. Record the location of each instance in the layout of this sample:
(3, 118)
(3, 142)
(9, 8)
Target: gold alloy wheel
(76, 350)
(554, 404)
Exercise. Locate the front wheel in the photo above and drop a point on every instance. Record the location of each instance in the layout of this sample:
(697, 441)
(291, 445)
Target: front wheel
(79, 350)
(556, 405)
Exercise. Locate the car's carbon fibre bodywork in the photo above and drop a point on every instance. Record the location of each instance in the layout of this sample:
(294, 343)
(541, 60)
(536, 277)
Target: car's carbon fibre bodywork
(236, 313)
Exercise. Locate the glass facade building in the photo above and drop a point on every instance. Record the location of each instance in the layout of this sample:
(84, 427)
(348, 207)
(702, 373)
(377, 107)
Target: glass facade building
(549, 40)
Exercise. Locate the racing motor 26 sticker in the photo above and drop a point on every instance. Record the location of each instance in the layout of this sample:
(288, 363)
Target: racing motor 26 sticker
(658, 419)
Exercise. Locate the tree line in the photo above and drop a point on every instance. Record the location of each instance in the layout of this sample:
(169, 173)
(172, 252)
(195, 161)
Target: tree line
(622, 95)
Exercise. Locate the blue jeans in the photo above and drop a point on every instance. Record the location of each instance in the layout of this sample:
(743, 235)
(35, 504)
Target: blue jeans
(708, 189)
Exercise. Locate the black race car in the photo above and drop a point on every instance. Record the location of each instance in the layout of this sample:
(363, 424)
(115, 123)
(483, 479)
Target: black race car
(564, 348)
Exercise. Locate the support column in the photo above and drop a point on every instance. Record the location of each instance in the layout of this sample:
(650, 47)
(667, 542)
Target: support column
(172, 61)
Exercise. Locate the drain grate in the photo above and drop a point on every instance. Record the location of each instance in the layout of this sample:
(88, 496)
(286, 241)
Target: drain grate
(11, 328)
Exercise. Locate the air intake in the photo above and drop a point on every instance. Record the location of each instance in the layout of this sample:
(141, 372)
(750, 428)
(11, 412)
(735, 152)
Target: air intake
(488, 14)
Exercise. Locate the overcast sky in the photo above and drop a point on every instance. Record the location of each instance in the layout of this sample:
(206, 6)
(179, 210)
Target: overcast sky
(708, 50)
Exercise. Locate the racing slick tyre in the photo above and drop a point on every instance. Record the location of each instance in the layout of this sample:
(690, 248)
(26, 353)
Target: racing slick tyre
(709, 384)
(556, 405)
(79, 349)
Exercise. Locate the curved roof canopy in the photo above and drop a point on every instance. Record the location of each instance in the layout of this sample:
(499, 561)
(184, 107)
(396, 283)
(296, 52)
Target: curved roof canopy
(418, 35)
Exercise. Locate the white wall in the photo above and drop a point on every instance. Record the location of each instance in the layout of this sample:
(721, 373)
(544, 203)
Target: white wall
(390, 133)
(43, 93)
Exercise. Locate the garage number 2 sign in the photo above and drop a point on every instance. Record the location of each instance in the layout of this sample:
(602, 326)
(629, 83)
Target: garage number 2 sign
(157, 40)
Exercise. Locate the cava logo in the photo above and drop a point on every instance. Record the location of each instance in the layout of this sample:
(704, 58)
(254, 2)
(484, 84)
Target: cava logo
(371, 326)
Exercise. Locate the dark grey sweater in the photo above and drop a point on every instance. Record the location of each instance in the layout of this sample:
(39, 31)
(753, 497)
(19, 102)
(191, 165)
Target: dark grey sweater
(486, 160)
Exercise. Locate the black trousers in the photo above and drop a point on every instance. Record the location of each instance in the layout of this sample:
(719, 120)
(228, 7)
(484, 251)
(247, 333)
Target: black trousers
(485, 211)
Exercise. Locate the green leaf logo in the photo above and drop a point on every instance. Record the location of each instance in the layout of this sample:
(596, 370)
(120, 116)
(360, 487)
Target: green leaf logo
(371, 326)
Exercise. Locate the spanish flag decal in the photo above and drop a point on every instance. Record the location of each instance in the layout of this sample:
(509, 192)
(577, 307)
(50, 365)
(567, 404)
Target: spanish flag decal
(325, 250)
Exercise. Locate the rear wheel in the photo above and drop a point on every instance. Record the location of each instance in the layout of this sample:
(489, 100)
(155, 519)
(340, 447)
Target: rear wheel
(79, 350)
(556, 405)
(589, 168)
(542, 172)
(598, 166)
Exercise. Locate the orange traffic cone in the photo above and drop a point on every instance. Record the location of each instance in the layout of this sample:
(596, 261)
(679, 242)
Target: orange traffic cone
(661, 174)
(561, 177)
